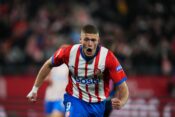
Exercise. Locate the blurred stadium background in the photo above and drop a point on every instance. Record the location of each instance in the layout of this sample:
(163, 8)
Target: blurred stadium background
(140, 32)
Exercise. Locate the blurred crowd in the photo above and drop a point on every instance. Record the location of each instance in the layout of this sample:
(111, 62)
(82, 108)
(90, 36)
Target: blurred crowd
(140, 32)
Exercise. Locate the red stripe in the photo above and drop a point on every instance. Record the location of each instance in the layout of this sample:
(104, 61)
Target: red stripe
(76, 71)
(86, 65)
(106, 86)
(87, 90)
(69, 88)
(95, 76)
(108, 62)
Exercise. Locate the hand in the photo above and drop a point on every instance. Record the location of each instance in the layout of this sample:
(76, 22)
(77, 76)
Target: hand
(116, 103)
(32, 96)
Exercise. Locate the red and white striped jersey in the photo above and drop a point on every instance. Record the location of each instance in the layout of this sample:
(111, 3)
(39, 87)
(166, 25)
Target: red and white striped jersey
(89, 78)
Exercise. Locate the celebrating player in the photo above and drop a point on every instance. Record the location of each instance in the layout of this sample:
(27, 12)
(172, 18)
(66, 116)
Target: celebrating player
(91, 66)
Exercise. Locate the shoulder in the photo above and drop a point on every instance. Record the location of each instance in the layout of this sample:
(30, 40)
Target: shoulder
(109, 52)
(64, 49)
(69, 50)
(102, 48)
(74, 47)
(111, 59)
(68, 47)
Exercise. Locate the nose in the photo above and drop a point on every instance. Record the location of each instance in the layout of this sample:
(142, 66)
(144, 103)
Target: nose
(90, 43)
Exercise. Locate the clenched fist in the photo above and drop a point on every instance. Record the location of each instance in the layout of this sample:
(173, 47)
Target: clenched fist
(32, 96)
(116, 103)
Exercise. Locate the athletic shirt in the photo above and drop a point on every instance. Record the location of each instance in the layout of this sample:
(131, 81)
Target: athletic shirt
(58, 79)
(89, 77)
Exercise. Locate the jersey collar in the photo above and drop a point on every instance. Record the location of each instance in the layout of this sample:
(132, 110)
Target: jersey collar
(88, 58)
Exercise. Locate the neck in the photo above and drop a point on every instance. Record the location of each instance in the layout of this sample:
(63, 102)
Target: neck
(87, 58)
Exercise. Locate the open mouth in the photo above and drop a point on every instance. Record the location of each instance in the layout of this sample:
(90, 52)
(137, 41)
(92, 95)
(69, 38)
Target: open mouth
(89, 51)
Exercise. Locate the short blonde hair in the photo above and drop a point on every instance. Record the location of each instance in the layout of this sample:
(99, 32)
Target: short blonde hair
(89, 29)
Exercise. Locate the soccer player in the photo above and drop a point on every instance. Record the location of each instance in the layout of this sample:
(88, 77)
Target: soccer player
(91, 66)
(57, 79)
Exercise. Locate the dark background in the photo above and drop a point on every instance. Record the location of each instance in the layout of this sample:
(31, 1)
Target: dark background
(141, 33)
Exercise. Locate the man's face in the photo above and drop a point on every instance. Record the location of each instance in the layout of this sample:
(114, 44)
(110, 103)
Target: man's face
(90, 43)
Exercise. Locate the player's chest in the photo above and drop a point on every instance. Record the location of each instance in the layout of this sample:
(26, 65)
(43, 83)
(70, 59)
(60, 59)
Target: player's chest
(88, 69)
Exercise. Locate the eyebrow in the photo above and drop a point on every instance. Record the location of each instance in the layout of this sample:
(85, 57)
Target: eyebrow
(92, 39)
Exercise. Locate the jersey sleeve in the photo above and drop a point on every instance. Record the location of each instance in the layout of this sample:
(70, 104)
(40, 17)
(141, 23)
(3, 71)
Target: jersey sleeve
(115, 70)
(61, 56)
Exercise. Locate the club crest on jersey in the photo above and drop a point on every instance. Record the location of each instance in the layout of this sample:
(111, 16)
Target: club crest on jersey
(118, 68)
(98, 73)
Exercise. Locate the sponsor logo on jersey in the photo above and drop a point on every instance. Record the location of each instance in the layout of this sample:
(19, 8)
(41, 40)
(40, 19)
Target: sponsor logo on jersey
(87, 80)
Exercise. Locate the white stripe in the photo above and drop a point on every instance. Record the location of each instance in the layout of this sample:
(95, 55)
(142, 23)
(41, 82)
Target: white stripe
(81, 66)
(102, 58)
(101, 66)
(101, 89)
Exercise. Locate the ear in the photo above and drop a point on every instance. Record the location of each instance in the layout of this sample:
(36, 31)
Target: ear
(80, 40)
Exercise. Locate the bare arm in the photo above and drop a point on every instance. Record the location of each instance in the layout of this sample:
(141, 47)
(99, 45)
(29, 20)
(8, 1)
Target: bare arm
(44, 71)
(42, 74)
(121, 96)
